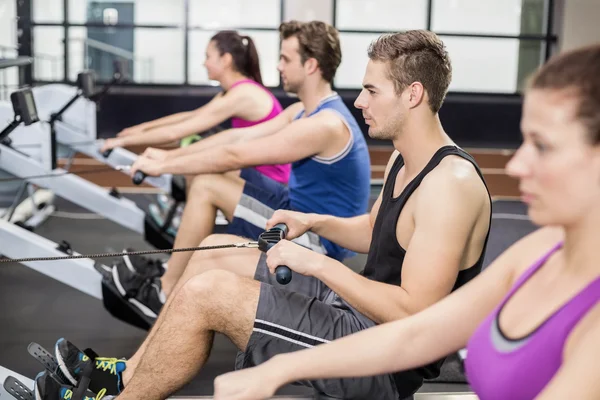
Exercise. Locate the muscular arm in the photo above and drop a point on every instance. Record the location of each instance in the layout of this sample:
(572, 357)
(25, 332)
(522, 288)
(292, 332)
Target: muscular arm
(211, 114)
(447, 208)
(239, 135)
(300, 139)
(408, 343)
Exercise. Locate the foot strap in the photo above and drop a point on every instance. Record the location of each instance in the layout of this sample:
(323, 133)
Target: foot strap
(81, 389)
(48, 361)
(17, 389)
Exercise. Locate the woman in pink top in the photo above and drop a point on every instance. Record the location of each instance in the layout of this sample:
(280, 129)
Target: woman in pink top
(531, 321)
(232, 60)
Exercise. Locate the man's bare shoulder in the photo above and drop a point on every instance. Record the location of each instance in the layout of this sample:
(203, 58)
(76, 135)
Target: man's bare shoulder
(294, 109)
(456, 175)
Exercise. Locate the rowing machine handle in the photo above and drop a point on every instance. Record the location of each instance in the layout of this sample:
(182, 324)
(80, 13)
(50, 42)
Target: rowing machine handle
(139, 177)
(266, 241)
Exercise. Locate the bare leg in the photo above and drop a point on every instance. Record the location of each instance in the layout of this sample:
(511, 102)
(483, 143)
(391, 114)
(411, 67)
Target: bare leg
(207, 193)
(216, 301)
(242, 262)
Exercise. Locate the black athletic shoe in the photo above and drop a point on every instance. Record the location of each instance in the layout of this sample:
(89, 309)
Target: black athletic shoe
(143, 293)
(106, 376)
(145, 266)
(46, 388)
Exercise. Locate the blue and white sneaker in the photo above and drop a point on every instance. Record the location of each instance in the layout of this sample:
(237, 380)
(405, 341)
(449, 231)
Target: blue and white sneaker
(46, 388)
(106, 375)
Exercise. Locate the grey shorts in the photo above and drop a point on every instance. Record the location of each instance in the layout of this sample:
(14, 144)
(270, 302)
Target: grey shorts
(304, 314)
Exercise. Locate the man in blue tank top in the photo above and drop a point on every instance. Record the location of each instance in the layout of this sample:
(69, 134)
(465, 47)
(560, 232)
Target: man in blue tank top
(318, 135)
(425, 237)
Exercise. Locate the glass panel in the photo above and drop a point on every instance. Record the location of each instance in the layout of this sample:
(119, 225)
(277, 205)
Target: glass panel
(479, 64)
(491, 65)
(354, 59)
(381, 15)
(267, 45)
(309, 10)
(48, 51)
(501, 17)
(8, 24)
(159, 56)
(141, 12)
(46, 10)
(235, 13)
(150, 55)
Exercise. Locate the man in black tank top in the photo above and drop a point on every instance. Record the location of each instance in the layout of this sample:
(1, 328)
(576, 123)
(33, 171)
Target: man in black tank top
(427, 232)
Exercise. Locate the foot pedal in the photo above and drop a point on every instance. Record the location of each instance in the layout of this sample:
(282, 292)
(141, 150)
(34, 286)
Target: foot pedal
(121, 309)
(48, 361)
(17, 389)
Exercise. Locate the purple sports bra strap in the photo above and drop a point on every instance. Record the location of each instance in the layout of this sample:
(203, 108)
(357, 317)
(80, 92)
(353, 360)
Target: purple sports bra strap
(532, 270)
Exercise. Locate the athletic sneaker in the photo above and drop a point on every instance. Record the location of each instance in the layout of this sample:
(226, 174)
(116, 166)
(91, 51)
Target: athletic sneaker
(143, 292)
(46, 388)
(159, 216)
(146, 266)
(164, 201)
(106, 376)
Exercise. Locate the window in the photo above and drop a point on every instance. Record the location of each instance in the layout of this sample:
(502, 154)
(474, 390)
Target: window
(47, 10)
(140, 12)
(267, 45)
(222, 14)
(494, 45)
(48, 50)
(500, 17)
(354, 59)
(381, 15)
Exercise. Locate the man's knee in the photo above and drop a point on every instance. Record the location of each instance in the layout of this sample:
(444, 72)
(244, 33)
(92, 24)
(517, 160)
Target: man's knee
(219, 296)
(210, 284)
(205, 184)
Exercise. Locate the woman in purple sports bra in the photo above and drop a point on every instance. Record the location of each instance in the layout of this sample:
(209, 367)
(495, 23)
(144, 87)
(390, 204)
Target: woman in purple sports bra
(531, 321)
(232, 61)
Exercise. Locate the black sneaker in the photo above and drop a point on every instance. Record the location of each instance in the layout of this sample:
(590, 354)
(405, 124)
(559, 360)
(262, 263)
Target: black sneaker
(143, 293)
(145, 266)
(46, 388)
(106, 376)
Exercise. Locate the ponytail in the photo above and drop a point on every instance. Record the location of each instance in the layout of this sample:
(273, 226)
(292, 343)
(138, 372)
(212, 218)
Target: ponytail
(243, 53)
(252, 69)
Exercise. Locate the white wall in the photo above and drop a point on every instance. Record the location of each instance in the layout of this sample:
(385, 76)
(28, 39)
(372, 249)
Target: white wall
(580, 23)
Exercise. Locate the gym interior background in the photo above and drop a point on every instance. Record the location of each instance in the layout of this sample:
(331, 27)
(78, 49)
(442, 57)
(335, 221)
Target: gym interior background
(494, 45)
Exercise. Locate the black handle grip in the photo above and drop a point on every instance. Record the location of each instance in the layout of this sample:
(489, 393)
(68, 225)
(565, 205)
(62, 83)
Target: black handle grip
(266, 241)
(106, 153)
(139, 177)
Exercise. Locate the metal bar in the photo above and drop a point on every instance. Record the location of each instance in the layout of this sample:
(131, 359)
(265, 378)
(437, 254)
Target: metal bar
(281, 10)
(66, 56)
(186, 41)
(334, 13)
(25, 39)
(117, 51)
(101, 25)
(466, 35)
(429, 13)
(549, 27)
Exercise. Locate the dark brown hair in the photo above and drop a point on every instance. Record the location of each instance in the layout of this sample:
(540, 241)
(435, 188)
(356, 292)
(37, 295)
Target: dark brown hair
(317, 40)
(577, 71)
(415, 56)
(243, 52)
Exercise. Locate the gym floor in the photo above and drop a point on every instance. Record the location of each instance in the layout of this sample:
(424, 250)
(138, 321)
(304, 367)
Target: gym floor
(39, 309)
